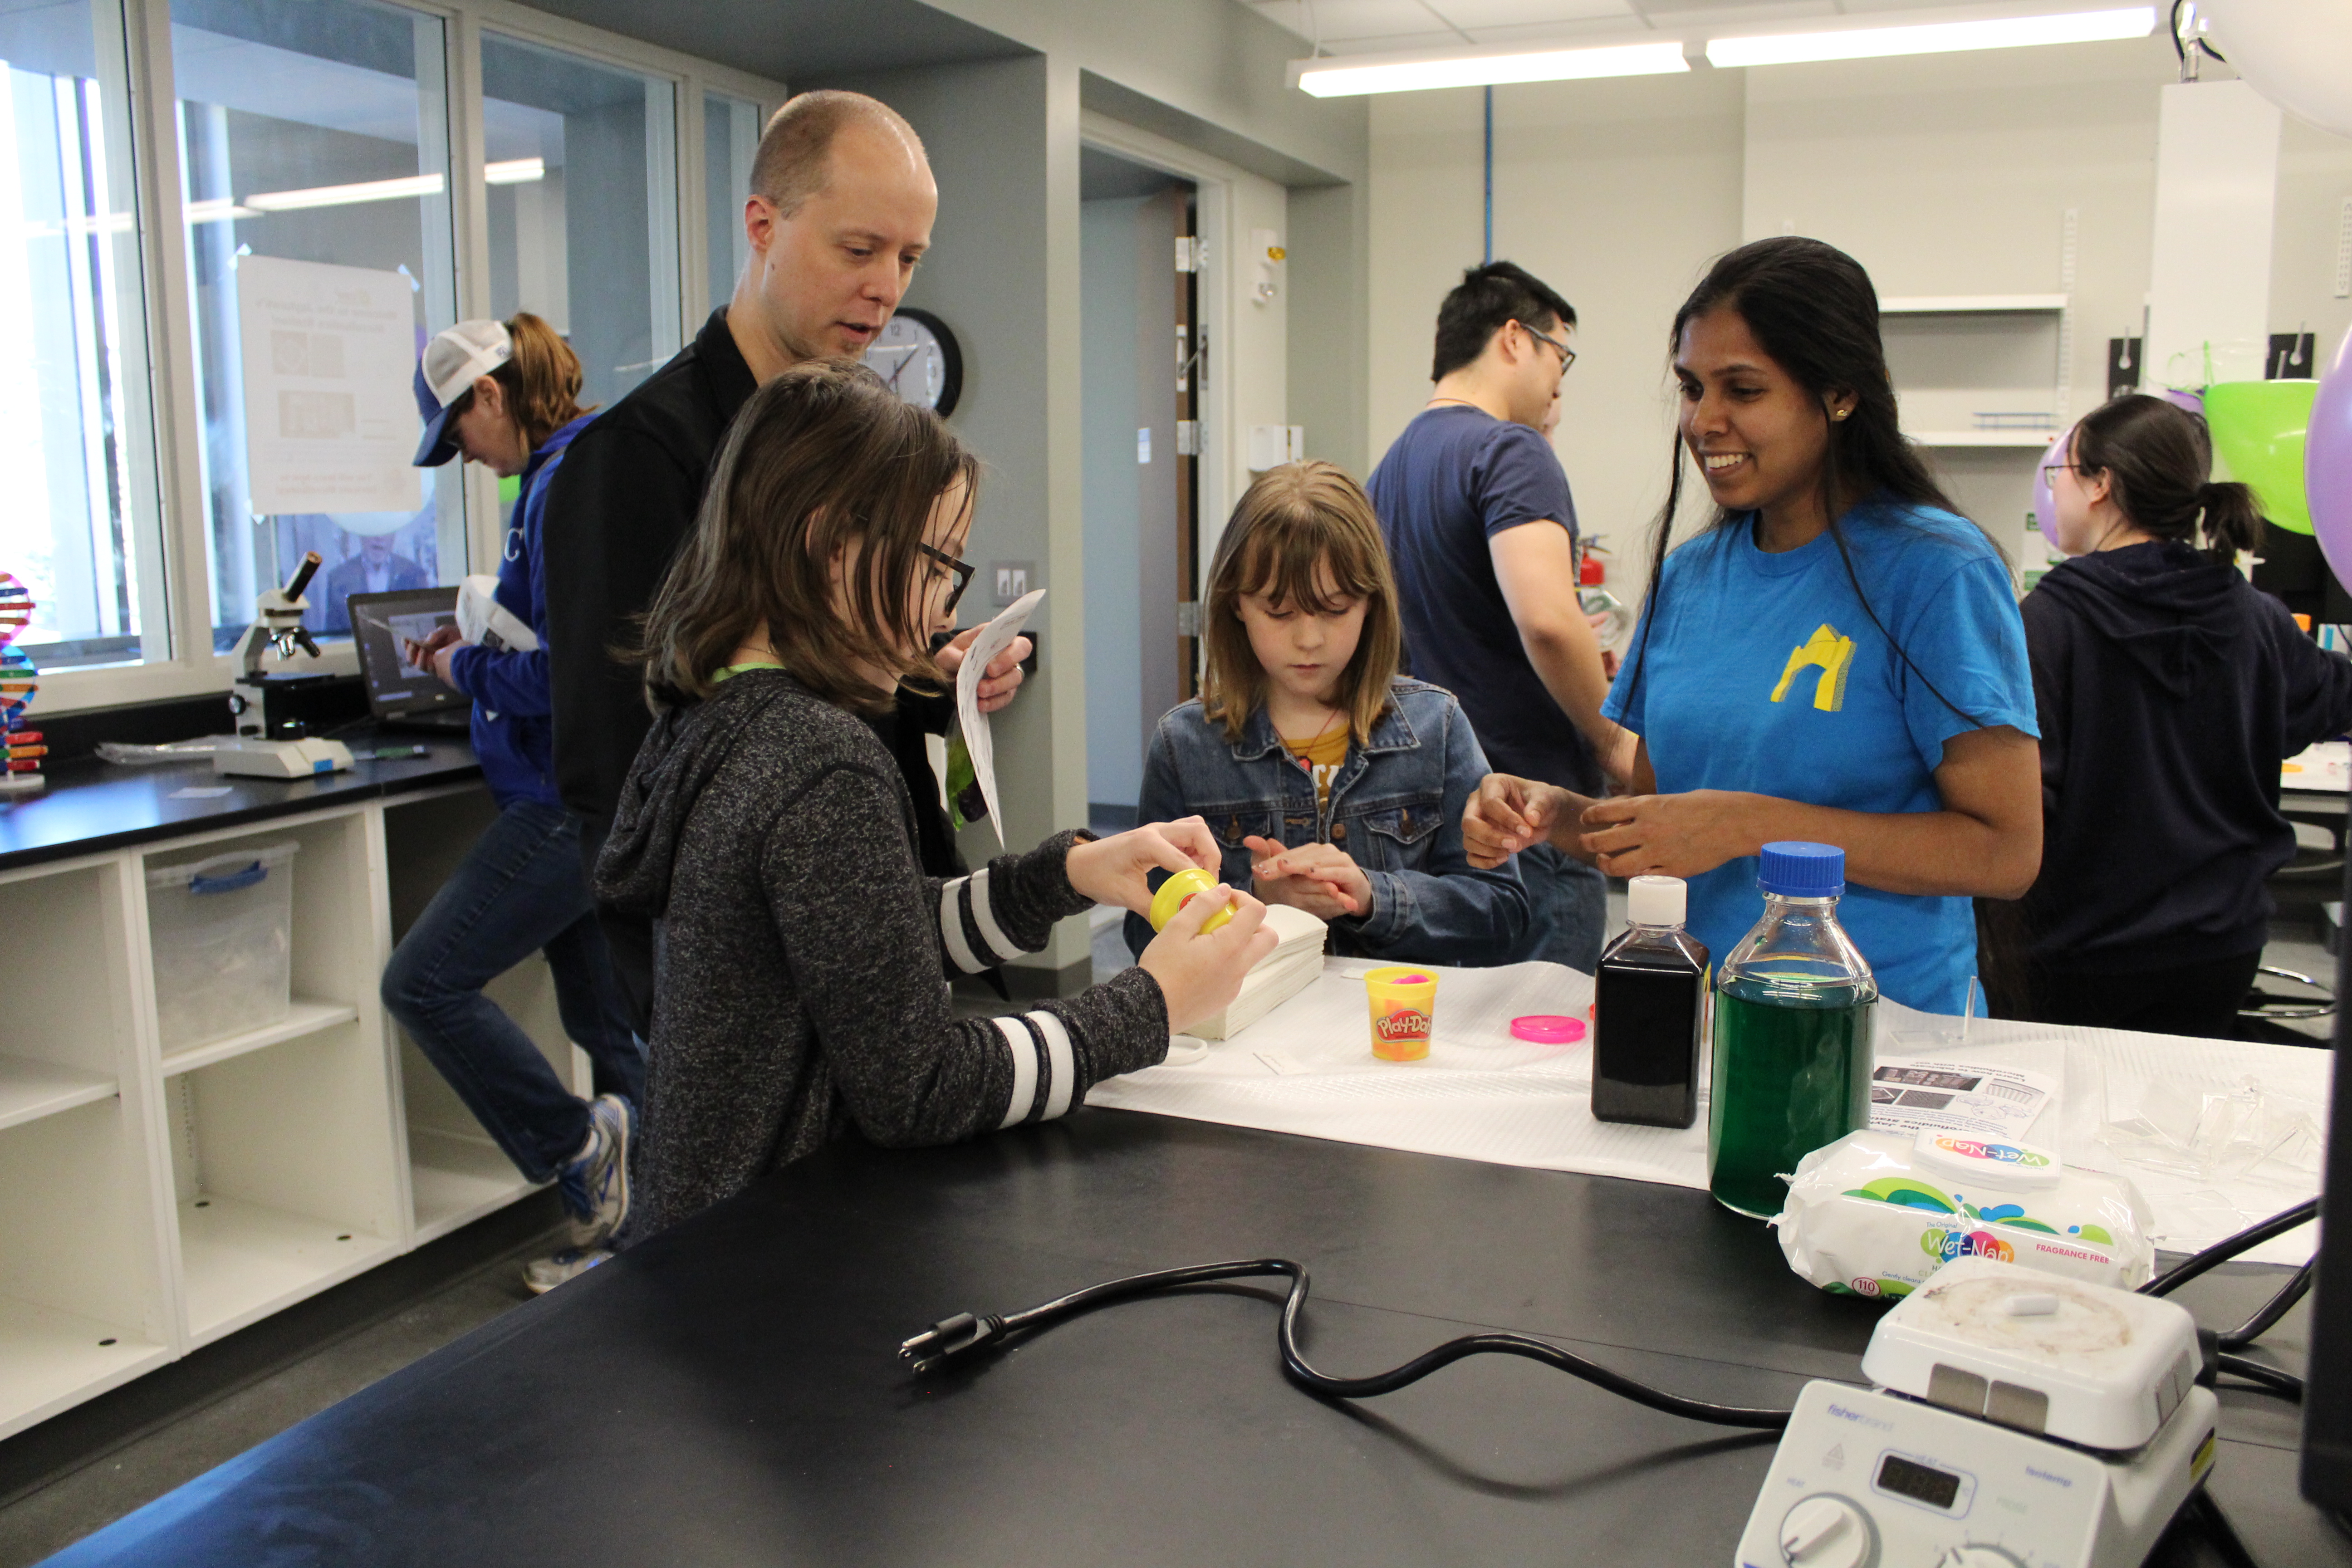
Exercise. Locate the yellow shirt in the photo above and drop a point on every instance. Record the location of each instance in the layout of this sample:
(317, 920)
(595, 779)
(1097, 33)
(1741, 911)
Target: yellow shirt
(1321, 756)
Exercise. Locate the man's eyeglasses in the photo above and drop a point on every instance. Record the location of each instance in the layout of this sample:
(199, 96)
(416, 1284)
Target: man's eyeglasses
(1567, 355)
(963, 570)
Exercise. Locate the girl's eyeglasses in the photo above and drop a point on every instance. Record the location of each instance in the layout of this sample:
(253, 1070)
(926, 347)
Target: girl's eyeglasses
(2050, 469)
(963, 570)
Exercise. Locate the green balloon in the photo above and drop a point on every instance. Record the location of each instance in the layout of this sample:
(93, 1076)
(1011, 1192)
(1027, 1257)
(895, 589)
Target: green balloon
(2258, 430)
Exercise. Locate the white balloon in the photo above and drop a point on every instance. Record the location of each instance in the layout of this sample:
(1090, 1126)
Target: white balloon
(2297, 53)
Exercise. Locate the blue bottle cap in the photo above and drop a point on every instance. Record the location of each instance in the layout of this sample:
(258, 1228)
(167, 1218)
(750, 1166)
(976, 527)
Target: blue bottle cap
(1794, 870)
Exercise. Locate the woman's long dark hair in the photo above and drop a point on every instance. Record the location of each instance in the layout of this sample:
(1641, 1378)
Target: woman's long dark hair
(2158, 461)
(1811, 307)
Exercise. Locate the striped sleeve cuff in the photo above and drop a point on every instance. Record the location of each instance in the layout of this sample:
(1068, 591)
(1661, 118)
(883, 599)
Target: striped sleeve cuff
(969, 928)
(1044, 1067)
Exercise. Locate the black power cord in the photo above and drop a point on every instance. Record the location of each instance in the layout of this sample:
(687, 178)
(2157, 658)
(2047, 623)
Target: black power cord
(954, 1339)
(2268, 1379)
(2230, 1246)
(2285, 1385)
(2261, 1323)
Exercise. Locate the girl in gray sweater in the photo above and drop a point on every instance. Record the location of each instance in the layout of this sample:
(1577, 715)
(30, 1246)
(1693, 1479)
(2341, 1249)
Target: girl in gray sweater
(800, 983)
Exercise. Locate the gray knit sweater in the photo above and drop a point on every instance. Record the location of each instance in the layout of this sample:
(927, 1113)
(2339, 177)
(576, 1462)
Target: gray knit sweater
(800, 986)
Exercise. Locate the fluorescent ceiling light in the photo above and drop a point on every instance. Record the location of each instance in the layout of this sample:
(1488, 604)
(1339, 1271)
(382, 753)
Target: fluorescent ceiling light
(217, 209)
(346, 196)
(1338, 81)
(1933, 38)
(515, 172)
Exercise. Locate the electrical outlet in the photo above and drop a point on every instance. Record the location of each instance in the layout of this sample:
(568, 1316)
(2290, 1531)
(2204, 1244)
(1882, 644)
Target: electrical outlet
(1012, 579)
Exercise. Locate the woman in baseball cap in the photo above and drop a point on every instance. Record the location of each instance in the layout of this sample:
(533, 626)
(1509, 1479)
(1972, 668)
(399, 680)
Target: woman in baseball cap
(506, 395)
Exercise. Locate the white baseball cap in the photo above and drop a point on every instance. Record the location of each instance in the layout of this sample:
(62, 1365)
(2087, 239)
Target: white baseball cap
(453, 361)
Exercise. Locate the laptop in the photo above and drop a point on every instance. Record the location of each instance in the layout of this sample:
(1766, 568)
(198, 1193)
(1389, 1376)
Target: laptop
(401, 696)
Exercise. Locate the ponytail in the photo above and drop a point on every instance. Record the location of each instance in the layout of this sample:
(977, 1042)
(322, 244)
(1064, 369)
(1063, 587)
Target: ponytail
(2158, 460)
(2233, 523)
(542, 378)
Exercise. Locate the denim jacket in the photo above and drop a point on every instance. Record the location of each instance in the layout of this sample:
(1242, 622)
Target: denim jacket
(1395, 808)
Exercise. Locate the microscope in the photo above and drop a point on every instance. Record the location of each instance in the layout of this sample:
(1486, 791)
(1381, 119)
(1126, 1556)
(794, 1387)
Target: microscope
(274, 709)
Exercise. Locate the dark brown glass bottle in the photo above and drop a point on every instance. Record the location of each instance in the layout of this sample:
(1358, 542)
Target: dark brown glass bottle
(1649, 1007)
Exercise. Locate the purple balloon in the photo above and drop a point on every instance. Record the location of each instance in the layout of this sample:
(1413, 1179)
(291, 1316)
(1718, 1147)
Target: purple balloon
(2046, 505)
(2327, 462)
(2181, 397)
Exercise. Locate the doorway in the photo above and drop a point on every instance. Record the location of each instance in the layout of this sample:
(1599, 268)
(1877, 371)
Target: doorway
(1139, 374)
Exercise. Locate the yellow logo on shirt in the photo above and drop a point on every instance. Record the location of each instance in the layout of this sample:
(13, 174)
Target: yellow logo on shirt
(1828, 653)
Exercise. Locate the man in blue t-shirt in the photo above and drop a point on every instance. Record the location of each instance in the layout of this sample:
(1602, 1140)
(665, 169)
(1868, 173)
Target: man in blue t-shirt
(1483, 535)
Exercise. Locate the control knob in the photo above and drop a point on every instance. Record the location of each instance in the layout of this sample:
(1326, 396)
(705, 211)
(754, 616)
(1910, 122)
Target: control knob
(1825, 1532)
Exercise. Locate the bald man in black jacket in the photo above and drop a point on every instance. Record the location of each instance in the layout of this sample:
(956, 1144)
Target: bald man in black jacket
(840, 210)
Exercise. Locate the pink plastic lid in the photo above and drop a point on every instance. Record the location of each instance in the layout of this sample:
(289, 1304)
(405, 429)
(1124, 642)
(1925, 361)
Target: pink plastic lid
(1548, 1029)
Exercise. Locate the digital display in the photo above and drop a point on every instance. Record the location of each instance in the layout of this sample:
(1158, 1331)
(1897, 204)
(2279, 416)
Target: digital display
(1927, 1079)
(1904, 1478)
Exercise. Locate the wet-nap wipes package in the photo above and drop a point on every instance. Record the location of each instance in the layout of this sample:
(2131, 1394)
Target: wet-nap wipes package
(1875, 1213)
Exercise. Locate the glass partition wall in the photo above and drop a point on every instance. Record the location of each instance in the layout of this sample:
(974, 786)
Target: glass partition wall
(730, 137)
(582, 174)
(314, 163)
(83, 529)
(313, 159)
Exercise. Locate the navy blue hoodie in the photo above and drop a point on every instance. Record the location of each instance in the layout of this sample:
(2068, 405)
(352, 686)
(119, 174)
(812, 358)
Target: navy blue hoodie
(2169, 690)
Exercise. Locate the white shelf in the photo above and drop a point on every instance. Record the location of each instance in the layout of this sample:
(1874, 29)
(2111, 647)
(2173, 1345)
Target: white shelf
(243, 1262)
(2037, 439)
(30, 1090)
(1969, 304)
(51, 1360)
(456, 1178)
(304, 1017)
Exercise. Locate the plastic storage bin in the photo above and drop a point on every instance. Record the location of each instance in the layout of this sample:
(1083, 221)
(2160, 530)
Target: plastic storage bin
(223, 935)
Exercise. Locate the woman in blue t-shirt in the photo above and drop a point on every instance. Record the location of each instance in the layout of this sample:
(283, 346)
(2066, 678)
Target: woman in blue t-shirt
(1836, 657)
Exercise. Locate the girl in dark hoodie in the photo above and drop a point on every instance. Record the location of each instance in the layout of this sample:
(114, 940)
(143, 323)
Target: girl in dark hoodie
(2169, 690)
(800, 986)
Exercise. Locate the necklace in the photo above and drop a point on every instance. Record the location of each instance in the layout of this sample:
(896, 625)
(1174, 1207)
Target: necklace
(1462, 401)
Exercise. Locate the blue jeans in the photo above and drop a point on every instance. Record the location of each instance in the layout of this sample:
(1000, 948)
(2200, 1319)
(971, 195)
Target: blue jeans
(521, 888)
(1572, 908)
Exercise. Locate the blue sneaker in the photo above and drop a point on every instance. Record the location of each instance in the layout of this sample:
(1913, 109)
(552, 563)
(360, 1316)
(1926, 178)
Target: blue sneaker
(544, 1274)
(595, 1181)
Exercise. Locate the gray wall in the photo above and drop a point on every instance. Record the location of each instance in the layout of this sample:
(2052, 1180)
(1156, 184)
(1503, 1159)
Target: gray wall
(1330, 339)
(1002, 273)
(1113, 497)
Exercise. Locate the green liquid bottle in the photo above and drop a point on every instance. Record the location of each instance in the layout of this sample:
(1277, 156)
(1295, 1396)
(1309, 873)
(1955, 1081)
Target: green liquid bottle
(1792, 1033)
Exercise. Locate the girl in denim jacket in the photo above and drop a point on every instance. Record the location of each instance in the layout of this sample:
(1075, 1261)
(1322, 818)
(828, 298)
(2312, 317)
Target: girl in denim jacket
(1330, 781)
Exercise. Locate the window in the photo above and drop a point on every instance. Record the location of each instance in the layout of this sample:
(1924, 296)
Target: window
(582, 169)
(314, 171)
(730, 137)
(82, 529)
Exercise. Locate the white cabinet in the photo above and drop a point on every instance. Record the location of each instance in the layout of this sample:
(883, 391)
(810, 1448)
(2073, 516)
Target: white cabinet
(1983, 380)
(150, 1204)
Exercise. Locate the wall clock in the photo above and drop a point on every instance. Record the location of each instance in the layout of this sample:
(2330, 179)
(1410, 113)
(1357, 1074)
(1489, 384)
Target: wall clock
(917, 355)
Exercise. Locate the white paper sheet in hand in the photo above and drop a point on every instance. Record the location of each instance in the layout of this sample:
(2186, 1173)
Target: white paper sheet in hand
(993, 640)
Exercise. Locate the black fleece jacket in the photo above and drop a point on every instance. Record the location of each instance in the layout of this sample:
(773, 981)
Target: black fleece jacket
(2170, 690)
(801, 986)
(624, 499)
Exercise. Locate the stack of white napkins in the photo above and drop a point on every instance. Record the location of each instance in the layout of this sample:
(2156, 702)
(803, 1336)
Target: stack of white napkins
(1290, 968)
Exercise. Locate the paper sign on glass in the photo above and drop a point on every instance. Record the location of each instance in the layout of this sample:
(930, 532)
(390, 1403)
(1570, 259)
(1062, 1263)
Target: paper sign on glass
(993, 640)
(330, 420)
